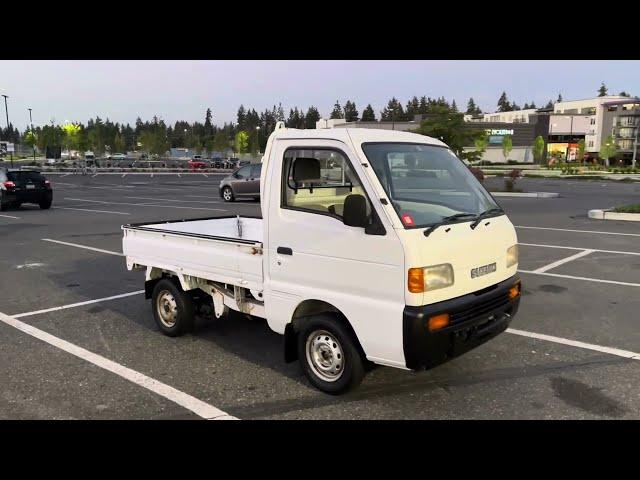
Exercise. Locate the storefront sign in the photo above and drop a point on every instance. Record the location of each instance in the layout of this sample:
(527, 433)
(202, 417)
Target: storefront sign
(491, 131)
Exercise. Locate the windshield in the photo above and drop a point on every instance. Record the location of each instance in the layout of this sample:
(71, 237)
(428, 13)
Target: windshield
(427, 184)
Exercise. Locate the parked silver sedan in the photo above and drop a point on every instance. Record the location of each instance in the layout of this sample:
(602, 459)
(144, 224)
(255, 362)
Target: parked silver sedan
(243, 183)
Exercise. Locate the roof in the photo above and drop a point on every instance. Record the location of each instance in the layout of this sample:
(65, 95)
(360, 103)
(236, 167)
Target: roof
(357, 135)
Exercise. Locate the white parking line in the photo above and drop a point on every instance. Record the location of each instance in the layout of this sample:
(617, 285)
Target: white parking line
(597, 280)
(94, 176)
(65, 175)
(563, 247)
(124, 175)
(79, 304)
(172, 200)
(205, 175)
(562, 261)
(178, 397)
(88, 210)
(10, 216)
(144, 204)
(575, 343)
(83, 246)
(580, 231)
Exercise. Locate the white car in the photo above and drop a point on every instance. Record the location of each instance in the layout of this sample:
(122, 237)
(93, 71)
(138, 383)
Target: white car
(118, 156)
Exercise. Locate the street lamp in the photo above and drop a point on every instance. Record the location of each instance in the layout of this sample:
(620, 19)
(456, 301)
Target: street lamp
(258, 135)
(6, 110)
(33, 138)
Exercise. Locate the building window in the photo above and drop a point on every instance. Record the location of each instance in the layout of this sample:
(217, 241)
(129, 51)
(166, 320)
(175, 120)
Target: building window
(593, 121)
(590, 143)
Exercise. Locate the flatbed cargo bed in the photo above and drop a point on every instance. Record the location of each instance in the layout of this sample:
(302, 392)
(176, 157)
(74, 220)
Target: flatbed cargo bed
(212, 249)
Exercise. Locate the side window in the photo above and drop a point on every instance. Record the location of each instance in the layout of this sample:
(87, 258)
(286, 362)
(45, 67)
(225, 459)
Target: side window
(243, 172)
(319, 181)
(255, 170)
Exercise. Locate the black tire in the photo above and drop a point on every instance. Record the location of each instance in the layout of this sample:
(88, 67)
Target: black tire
(45, 204)
(345, 357)
(256, 199)
(178, 316)
(4, 207)
(227, 194)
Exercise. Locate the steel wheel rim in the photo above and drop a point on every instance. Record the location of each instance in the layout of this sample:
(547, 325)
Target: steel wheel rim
(167, 309)
(325, 355)
(227, 194)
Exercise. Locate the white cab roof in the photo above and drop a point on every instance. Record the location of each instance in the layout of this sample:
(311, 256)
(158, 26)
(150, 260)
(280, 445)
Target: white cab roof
(357, 135)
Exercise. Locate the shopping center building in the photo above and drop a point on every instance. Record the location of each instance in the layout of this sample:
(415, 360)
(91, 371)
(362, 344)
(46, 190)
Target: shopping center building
(562, 127)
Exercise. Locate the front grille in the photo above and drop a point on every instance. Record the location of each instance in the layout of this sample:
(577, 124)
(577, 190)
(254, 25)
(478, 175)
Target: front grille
(479, 309)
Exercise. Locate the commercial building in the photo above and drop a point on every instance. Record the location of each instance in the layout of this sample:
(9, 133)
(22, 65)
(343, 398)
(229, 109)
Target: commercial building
(562, 128)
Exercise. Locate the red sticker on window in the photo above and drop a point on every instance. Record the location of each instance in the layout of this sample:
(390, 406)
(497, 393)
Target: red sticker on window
(407, 219)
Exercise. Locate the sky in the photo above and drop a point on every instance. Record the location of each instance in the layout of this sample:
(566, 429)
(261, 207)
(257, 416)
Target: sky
(76, 90)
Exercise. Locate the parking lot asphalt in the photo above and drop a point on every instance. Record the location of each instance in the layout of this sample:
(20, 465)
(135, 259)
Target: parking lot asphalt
(569, 353)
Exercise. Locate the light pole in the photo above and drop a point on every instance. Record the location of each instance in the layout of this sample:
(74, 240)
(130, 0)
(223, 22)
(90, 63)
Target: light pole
(258, 135)
(6, 111)
(33, 138)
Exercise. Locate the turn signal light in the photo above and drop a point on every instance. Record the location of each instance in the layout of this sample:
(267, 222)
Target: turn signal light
(514, 292)
(438, 322)
(416, 280)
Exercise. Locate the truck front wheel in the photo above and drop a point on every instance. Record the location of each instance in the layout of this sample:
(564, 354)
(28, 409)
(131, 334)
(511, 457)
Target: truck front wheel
(328, 355)
(172, 308)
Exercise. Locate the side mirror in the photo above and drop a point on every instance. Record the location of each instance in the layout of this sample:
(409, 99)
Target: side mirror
(354, 212)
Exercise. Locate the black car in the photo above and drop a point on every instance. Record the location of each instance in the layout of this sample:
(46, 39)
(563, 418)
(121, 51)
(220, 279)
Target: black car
(24, 186)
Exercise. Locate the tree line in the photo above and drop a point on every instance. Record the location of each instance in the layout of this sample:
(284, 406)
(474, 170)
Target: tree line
(250, 131)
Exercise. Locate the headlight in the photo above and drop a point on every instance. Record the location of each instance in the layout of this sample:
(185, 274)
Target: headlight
(430, 278)
(512, 256)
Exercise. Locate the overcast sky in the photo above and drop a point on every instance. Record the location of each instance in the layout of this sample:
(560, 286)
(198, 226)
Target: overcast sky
(182, 90)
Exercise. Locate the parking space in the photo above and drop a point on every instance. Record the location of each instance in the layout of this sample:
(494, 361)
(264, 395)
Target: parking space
(569, 353)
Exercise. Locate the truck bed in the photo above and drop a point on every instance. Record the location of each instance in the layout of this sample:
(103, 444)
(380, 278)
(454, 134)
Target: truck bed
(208, 248)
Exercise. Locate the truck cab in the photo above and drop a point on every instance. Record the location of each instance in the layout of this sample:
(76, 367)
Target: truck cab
(375, 247)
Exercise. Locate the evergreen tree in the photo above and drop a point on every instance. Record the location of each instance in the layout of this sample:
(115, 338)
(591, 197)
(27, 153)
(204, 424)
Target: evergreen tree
(471, 107)
(393, 112)
(337, 111)
(559, 97)
(602, 91)
(350, 112)
(368, 115)
(454, 107)
(241, 117)
(312, 117)
(624, 94)
(549, 104)
(503, 103)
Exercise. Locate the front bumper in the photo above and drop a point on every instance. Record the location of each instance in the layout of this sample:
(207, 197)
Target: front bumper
(474, 319)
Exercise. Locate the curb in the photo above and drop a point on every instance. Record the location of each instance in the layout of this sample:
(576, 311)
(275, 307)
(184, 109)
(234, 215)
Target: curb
(609, 215)
(526, 195)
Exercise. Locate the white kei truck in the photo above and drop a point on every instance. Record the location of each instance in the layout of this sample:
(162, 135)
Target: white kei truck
(374, 247)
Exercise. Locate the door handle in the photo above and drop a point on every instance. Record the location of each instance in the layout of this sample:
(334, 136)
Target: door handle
(285, 251)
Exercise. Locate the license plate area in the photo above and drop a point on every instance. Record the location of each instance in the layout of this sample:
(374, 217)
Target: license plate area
(30, 186)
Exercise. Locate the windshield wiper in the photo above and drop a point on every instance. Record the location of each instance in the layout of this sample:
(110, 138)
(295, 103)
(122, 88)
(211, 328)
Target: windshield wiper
(446, 220)
(485, 214)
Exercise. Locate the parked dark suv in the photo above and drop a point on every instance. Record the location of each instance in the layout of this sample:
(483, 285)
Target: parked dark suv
(24, 186)
(243, 183)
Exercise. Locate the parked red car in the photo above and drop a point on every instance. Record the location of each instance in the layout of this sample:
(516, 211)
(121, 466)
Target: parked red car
(197, 163)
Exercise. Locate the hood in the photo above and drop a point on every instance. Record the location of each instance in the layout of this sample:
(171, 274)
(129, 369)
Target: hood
(465, 249)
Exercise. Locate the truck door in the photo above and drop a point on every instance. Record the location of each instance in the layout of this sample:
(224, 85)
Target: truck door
(313, 255)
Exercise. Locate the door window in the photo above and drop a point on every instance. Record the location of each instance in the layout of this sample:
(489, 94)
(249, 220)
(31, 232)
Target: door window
(243, 172)
(255, 170)
(319, 181)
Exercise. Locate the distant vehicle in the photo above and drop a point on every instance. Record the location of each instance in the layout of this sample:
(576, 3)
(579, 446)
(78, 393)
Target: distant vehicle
(197, 164)
(243, 183)
(119, 156)
(24, 186)
(88, 155)
(216, 162)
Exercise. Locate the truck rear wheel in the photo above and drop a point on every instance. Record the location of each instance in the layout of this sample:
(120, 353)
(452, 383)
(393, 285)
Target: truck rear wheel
(172, 308)
(328, 355)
